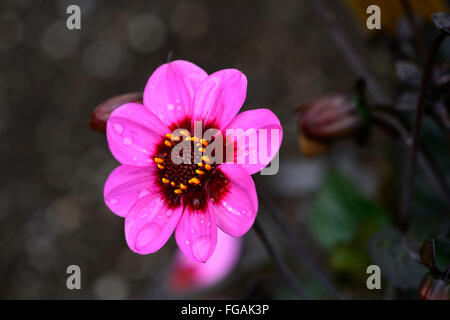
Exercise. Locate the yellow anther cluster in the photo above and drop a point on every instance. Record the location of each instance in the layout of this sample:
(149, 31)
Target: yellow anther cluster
(177, 177)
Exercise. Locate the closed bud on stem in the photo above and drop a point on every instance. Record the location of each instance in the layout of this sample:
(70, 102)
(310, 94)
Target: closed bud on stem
(435, 284)
(331, 118)
(102, 112)
(434, 288)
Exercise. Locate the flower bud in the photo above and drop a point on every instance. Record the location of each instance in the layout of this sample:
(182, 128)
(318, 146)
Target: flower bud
(330, 118)
(310, 147)
(102, 112)
(434, 288)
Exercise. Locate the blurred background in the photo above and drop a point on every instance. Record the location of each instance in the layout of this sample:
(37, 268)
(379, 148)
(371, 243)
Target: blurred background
(341, 204)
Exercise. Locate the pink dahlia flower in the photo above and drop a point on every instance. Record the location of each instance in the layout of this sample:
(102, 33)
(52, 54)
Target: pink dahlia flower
(186, 275)
(156, 195)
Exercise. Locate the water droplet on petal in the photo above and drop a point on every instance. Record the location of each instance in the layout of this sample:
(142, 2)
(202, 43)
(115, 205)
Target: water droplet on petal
(170, 107)
(118, 128)
(201, 248)
(127, 141)
(143, 193)
(147, 234)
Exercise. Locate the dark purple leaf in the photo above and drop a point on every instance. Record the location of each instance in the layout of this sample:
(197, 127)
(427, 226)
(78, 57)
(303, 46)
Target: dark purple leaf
(412, 249)
(408, 73)
(442, 21)
(407, 101)
(387, 250)
(427, 254)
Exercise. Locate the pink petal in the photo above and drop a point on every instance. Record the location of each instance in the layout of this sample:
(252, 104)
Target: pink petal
(186, 274)
(125, 185)
(220, 97)
(150, 223)
(196, 234)
(133, 133)
(170, 91)
(255, 152)
(236, 211)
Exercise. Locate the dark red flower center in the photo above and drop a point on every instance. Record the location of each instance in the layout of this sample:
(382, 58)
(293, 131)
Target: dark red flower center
(185, 174)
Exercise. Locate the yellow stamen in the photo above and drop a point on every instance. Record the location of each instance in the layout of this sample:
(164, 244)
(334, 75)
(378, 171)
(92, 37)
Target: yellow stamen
(204, 142)
(160, 166)
(199, 172)
(206, 158)
(167, 143)
(164, 180)
(182, 186)
(169, 135)
(159, 160)
(194, 181)
(184, 133)
(177, 191)
(172, 184)
(200, 164)
(201, 149)
(208, 167)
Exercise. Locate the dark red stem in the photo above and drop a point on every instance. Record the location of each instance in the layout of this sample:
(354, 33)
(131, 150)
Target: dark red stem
(410, 164)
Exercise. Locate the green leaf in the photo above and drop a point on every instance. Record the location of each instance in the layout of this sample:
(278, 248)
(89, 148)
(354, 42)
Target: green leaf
(340, 210)
(349, 260)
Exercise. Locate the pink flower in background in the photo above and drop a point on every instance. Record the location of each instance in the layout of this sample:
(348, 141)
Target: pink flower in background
(157, 196)
(187, 275)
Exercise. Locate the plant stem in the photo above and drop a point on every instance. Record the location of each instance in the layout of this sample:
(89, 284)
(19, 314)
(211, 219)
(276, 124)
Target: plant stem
(447, 274)
(386, 118)
(351, 56)
(415, 28)
(300, 250)
(282, 266)
(426, 75)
